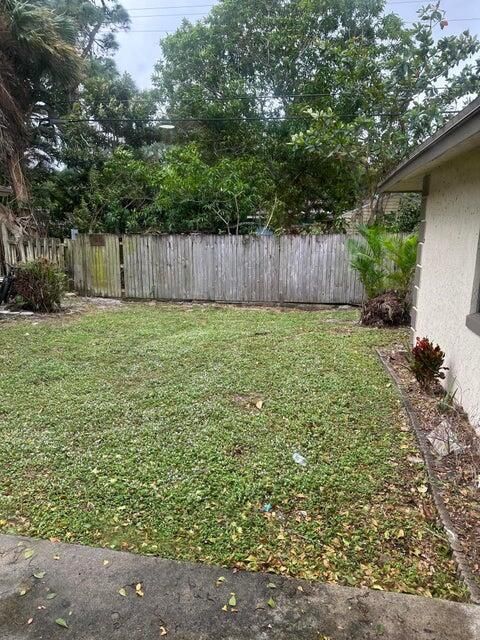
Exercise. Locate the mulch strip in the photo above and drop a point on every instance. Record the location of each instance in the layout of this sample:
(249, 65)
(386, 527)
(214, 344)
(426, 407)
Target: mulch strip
(455, 478)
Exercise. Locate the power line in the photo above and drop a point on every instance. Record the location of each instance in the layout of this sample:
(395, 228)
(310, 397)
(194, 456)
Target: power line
(266, 96)
(169, 15)
(209, 6)
(167, 31)
(168, 121)
(178, 6)
(201, 13)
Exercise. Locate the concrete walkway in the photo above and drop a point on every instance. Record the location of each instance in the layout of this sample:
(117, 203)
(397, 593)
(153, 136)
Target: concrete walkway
(104, 595)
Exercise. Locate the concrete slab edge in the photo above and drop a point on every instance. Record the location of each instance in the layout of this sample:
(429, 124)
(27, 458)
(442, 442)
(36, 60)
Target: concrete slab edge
(463, 568)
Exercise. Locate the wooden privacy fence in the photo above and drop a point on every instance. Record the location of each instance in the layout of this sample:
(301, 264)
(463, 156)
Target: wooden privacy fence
(15, 249)
(268, 269)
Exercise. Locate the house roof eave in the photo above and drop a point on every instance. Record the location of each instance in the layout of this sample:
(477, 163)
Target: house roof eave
(460, 134)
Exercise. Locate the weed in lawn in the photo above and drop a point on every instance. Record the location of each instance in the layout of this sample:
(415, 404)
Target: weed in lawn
(122, 430)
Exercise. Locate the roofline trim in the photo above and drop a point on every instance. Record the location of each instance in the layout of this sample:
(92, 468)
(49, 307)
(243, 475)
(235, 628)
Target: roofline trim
(430, 146)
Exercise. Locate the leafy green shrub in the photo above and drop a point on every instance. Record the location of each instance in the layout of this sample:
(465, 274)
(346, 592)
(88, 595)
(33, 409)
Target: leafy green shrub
(407, 218)
(402, 255)
(370, 260)
(39, 285)
(426, 362)
(386, 264)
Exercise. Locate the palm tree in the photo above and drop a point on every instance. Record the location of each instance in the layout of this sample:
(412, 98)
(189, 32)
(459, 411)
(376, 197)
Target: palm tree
(37, 58)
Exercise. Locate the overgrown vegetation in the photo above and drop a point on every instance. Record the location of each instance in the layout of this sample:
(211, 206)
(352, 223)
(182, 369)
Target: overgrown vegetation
(39, 285)
(172, 438)
(407, 217)
(38, 62)
(426, 363)
(386, 265)
(284, 113)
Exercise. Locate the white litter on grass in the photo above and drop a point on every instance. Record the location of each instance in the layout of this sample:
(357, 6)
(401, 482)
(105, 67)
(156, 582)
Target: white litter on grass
(299, 459)
(6, 312)
(443, 439)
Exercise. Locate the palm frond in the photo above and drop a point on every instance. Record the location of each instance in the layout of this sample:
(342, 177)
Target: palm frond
(37, 49)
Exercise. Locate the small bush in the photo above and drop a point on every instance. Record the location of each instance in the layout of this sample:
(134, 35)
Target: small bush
(426, 362)
(39, 285)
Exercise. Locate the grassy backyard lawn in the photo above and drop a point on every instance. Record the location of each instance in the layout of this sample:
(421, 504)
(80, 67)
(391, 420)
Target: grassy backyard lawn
(166, 430)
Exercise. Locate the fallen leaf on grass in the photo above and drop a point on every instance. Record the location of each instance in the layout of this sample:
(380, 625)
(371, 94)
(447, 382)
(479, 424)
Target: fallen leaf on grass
(61, 623)
(122, 592)
(423, 489)
(259, 404)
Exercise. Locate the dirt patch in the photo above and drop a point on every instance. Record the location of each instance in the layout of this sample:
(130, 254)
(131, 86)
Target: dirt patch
(239, 450)
(386, 310)
(72, 306)
(458, 472)
(249, 402)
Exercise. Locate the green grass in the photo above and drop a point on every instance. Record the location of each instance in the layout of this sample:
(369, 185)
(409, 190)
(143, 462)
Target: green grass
(137, 429)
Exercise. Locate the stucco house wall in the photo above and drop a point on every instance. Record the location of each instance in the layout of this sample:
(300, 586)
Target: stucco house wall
(449, 274)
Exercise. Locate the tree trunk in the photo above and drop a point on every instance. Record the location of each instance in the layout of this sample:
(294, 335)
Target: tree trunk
(17, 177)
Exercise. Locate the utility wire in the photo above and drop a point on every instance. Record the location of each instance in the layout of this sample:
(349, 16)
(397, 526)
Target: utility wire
(169, 15)
(207, 6)
(169, 31)
(223, 119)
(267, 96)
(178, 6)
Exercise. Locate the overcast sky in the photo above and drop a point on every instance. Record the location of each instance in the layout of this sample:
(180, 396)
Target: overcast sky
(139, 50)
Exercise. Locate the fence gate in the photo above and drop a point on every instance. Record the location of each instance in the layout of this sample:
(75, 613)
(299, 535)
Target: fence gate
(96, 265)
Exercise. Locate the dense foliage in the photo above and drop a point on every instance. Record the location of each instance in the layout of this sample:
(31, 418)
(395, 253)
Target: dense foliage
(180, 193)
(38, 62)
(385, 262)
(407, 217)
(39, 285)
(386, 265)
(284, 113)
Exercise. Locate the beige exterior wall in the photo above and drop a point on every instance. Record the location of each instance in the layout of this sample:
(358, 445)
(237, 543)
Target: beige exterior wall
(449, 275)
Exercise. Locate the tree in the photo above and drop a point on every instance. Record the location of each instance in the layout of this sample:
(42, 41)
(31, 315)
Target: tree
(105, 111)
(37, 57)
(409, 93)
(179, 193)
(96, 22)
(327, 93)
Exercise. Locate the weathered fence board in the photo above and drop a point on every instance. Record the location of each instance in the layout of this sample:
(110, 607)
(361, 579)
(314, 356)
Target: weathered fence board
(14, 249)
(300, 269)
(96, 265)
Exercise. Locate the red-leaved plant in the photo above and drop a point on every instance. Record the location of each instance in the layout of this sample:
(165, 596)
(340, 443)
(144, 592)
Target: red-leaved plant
(426, 362)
